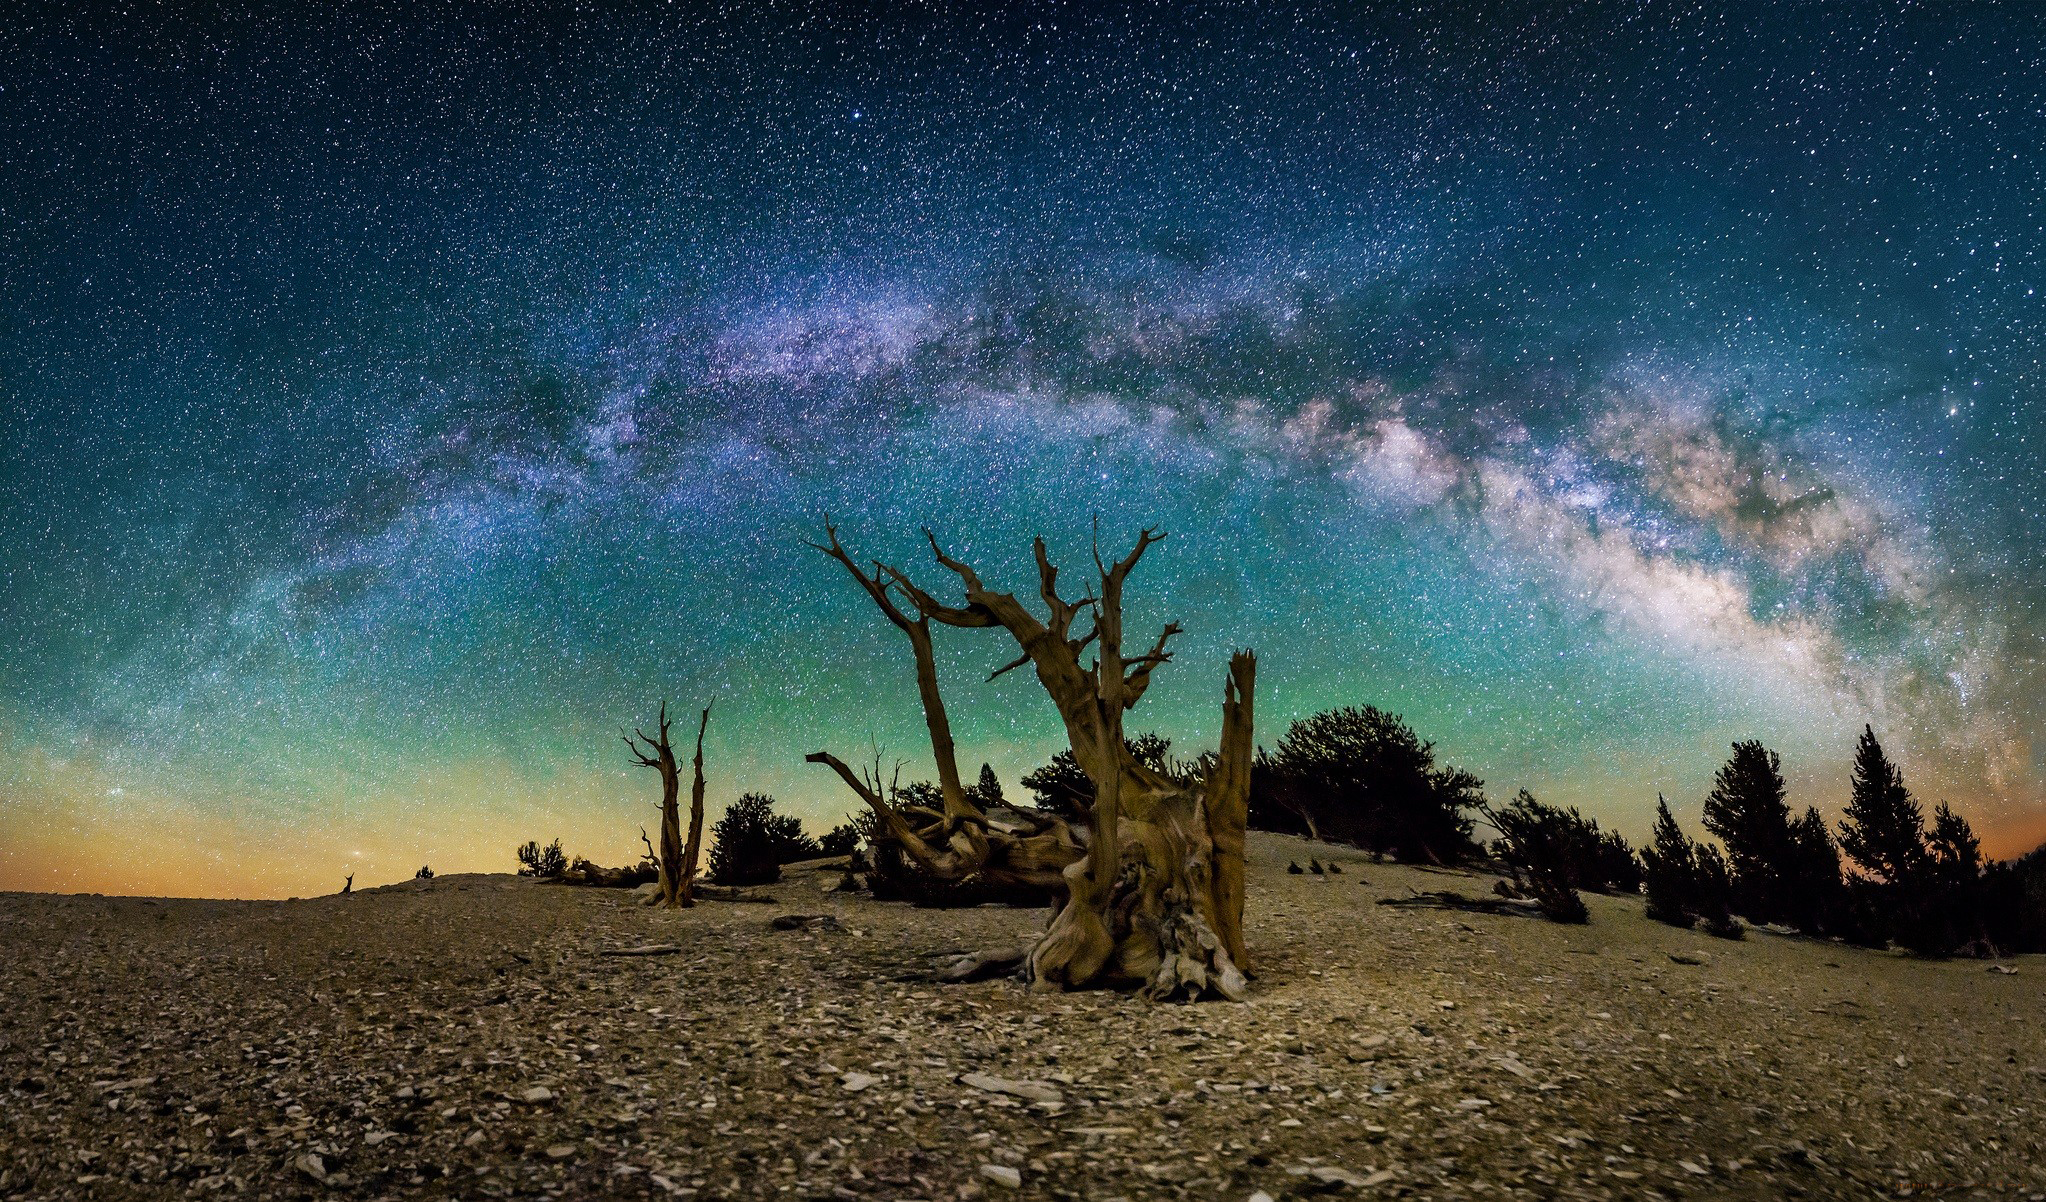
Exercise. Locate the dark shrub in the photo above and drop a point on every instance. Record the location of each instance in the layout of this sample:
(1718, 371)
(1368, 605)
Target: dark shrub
(841, 840)
(544, 862)
(751, 842)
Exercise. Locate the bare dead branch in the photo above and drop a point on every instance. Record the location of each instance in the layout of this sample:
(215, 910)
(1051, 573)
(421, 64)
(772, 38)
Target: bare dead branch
(1011, 666)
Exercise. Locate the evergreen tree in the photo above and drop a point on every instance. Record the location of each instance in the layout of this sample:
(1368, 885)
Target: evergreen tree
(1746, 810)
(1812, 894)
(1883, 830)
(987, 792)
(1712, 900)
(1367, 779)
(1670, 869)
(1955, 916)
(1587, 857)
(1538, 845)
(2014, 903)
(1062, 788)
(1956, 852)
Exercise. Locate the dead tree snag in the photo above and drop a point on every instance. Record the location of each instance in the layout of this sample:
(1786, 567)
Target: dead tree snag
(676, 858)
(1150, 894)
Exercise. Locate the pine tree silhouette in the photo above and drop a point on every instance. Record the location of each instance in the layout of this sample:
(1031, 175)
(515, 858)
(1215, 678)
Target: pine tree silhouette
(1883, 829)
(1671, 870)
(987, 792)
(1746, 810)
(1812, 893)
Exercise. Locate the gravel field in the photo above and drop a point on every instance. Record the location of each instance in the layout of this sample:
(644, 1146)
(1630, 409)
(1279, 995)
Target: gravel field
(469, 1037)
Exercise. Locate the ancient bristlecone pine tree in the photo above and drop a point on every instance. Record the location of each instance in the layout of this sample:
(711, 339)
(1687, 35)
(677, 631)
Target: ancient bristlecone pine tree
(676, 857)
(1151, 890)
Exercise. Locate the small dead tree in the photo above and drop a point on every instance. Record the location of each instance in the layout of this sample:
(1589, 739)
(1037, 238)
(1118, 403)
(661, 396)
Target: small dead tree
(676, 858)
(1151, 893)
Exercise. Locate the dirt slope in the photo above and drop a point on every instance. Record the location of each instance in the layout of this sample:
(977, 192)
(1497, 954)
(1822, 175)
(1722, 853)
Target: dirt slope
(465, 1037)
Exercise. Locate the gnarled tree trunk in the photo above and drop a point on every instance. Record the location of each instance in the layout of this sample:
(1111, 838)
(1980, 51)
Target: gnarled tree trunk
(1152, 895)
(676, 859)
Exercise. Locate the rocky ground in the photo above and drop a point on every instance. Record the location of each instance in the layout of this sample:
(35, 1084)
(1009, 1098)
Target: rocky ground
(469, 1037)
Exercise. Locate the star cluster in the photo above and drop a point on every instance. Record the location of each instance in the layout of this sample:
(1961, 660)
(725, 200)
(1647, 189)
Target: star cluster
(399, 399)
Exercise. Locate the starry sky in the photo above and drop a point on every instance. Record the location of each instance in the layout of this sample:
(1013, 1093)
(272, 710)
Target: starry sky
(396, 399)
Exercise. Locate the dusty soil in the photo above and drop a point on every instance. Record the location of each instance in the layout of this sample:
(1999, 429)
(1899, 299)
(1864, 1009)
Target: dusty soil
(466, 1037)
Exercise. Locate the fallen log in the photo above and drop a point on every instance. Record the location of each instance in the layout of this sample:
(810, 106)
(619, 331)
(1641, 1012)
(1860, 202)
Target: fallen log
(1449, 899)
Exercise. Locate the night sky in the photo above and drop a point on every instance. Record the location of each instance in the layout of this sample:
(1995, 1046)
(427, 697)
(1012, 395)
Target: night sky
(394, 400)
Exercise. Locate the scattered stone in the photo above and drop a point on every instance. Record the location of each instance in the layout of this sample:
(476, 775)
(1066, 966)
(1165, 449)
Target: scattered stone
(1694, 958)
(313, 1165)
(1003, 1175)
(560, 1151)
(538, 1093)
(855, 1082)
(1035, 1091)
(805, 922)
(1329, 1174)
(650, 949)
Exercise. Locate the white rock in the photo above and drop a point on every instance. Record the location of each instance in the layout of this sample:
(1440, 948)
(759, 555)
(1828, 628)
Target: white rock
(1333, 1175)
(539, 1093)
(1002, 1175)
(855, 1082)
